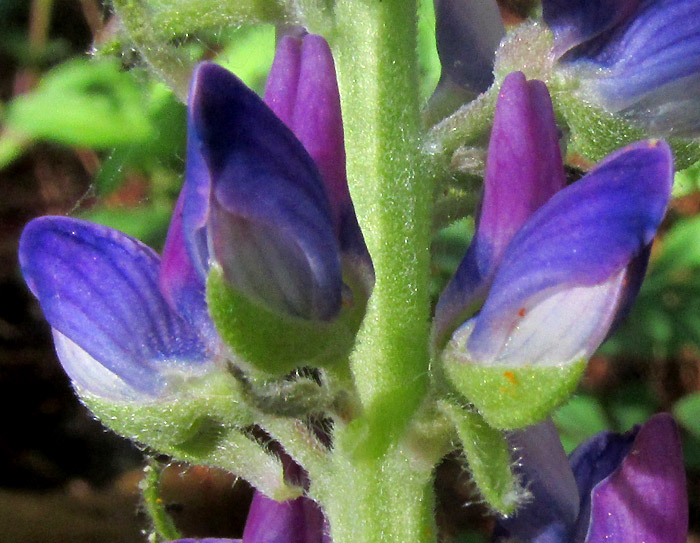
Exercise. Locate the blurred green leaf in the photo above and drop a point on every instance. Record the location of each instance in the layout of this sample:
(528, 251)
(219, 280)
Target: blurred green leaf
(687, 181)
(630, 405)
(687, 413)
(579, 419)
(149, 223)
(164, 151)
(680, 247)
(666, 315)
(248, 53)
(691, 451)
(428, 60)
(83, 103)
(448, 249)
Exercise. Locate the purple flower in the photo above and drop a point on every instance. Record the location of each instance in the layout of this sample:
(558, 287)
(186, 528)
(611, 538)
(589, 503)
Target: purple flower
(295, 521)
(128, 324)
(115, 333)
(554, 267)
(271, 209)
(638, 58)
(624, 488)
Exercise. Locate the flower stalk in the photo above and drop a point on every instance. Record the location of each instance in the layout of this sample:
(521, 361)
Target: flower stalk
(378, 80)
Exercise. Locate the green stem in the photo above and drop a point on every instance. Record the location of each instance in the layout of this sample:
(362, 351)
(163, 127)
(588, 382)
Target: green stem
(384, 500)
(163, 526)
(375, 48)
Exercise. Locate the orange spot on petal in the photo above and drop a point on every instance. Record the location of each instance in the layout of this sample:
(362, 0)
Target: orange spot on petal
(511, 377)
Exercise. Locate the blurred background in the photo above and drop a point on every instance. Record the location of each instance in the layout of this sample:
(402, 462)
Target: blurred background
(86, 131)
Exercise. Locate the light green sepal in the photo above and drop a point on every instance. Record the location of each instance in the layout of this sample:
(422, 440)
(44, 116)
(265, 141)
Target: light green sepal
(514, 397)
(269, 341)
(176, 418)
(595, 133)
(203, 422)
(488, 454)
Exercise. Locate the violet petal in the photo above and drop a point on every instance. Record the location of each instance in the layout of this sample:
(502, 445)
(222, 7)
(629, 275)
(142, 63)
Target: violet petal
(269, 219)
(302, 90)
(570, 257)
(181, 284)
(98, 289)
(524, 170)
(645, 498)
(651, 67)
(295, 521)
(576, 21)
(591, 462)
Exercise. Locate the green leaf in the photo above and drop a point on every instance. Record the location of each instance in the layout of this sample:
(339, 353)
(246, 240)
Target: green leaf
(249, 54)
(428, 60)
(578, 419)
(488, 454)
(148, 223)
(510, 398)
(680, 248)
(84, 103)
(687, 181)
(631, 404)
(687, 413)
(202, 420)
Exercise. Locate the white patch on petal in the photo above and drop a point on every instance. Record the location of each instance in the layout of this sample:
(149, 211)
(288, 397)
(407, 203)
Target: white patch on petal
(89, 375)
(568, 325)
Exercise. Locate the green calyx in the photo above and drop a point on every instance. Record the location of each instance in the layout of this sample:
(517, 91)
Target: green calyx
(488, 454)
(274, 343)
(513, 397)
(204, 421)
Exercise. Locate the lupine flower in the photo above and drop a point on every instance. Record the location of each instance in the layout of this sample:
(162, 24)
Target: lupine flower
(256, 205)
(552, 267)
(115, 334)
(295, 521)
(126, 323)
(624, 488)
(638, 58)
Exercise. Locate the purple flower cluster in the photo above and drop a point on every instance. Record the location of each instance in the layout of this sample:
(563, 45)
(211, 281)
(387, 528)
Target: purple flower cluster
(550, 271)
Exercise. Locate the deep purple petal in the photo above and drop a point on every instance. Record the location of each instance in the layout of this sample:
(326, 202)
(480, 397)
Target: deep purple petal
(523, 171)
(283, 79)
(645, 499)
(294, 521)
(98, 289)
(468, 33)
(196, 191)
(550, 515)
(576, 21)
(591, 462)
(651, 67)
(302, 90)
(564, 272)
(181, 284)
(269, 219)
